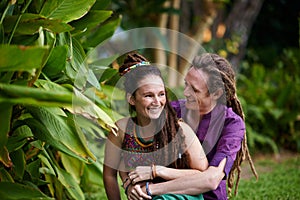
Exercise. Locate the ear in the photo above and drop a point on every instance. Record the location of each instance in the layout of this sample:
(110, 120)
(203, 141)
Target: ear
(130, 99)
(217, 94)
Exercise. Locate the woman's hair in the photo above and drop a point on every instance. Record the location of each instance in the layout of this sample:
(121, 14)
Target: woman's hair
(166, 137)
(221, 75)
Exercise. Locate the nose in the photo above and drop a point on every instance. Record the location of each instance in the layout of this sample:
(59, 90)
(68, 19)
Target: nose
(155, 100)
(187, 91)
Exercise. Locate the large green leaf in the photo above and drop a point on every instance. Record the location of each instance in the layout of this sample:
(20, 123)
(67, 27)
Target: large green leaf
(21, 58)
(5, 118)
(89, 21)
(52, 86)
(56, 62)
(92, 79)
(36, 96)
(18, 159)
(70, 184)
(11, 191)
(93, 173)
(73, 166)
(102, 33)
(89, 126)
(30, 24)
(32, 169)
(5, 176)
(74, 66)
(101, 4)
(43, 134)
(113, 93)
(94, 112)
(59, 134)
(66, 10)
(63, 177)
(19, 138)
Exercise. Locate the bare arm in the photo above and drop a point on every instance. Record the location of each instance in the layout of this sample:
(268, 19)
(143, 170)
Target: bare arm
(197, 161)
(199, 183)
(111, 183)
(111, 165)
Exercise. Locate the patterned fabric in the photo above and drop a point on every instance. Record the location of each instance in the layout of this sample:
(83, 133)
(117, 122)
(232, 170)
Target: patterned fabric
(135, 151)
(178, 197)
(138, 153)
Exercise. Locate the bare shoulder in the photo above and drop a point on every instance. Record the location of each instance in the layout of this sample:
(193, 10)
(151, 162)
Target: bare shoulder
(190, 136)
(187, 130)
(122, 123)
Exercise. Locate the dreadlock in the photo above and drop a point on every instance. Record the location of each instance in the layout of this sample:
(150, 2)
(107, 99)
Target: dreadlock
(221, 75)
(169, 138)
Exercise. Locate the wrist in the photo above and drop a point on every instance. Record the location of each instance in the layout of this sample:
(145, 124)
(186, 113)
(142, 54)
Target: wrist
(126, 188)
(153, 174)
(126, 182)
(148, 190)
(159, 171)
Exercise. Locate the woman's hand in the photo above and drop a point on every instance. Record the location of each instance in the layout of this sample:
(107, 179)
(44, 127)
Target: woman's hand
(141, 173)
(135, 192)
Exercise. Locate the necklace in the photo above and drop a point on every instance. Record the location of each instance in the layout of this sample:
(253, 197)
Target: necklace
(140, 140)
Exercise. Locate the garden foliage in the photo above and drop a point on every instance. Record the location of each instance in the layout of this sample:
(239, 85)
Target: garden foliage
(270, 98)
(45, 129)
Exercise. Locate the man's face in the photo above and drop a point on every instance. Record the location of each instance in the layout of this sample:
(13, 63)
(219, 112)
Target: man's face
(196, 91)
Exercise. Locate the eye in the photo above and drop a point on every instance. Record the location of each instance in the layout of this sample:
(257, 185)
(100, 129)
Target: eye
(162, 94)
(195, 90)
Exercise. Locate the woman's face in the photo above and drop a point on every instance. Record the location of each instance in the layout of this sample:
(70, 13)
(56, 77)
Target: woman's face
(149, 99)
(196, 91)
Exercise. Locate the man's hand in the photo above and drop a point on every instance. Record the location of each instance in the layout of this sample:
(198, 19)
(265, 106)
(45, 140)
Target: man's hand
(141, 173)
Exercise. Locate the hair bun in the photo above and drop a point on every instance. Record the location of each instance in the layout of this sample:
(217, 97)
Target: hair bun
(131, 60)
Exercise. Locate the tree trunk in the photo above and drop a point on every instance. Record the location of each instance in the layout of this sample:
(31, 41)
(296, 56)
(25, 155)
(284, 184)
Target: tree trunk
(239, 23)
(160, 54)
(207, 10)
(174, 25)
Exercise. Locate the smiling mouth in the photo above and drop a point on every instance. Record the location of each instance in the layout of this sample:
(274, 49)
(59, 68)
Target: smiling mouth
(155, 110)
(191, 100)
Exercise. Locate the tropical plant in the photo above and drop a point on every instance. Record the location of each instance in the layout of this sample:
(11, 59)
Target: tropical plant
(270, 102)
(49, 118)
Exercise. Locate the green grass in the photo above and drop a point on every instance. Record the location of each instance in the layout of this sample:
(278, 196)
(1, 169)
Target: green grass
(277, 180)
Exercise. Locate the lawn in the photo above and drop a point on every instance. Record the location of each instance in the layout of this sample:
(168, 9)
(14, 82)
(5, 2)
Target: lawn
(279, 178)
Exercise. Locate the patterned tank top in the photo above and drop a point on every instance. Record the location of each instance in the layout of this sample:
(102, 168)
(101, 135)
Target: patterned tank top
(136, 152)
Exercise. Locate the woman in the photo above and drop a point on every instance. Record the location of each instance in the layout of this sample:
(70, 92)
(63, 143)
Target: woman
(154, 139)
(213, 111)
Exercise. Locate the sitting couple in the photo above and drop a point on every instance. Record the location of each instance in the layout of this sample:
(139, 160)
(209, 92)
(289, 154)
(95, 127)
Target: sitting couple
(156, 151)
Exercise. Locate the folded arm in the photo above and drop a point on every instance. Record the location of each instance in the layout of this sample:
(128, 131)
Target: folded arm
(199, 183)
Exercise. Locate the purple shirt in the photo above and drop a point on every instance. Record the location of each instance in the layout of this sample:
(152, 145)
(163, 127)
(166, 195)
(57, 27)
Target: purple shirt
(221, 133)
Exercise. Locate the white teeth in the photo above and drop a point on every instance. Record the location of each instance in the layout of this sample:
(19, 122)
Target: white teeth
(154, 110)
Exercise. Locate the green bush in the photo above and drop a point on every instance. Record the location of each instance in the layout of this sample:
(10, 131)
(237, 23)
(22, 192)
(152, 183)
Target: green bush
(270, 98)
(47, 133)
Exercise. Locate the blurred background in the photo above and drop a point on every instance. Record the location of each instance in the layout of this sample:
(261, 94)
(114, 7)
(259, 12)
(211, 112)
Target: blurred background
(261, 45)
(58, 98)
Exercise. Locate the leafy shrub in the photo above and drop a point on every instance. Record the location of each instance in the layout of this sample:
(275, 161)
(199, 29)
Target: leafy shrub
(46, 131)
(270, 99)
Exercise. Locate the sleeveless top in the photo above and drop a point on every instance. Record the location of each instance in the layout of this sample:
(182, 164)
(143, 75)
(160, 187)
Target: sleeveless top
(136, 152)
